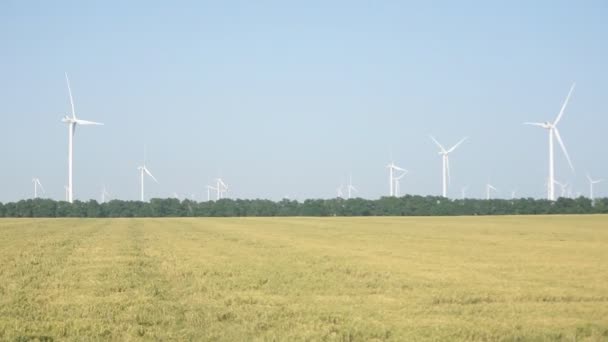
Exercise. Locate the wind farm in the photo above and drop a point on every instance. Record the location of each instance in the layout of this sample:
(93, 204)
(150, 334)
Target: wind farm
(303, 171)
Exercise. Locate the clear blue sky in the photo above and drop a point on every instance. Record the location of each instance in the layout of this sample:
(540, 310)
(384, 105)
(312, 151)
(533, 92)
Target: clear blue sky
(288, 98)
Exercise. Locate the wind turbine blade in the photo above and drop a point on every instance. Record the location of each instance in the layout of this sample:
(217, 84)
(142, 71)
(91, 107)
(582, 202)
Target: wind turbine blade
(437, 143)
(41, 187)
(561, 143)
(399, 169)
(561, 112)
(589, 178)
(85, 122)
(149, 174)
(71, 99)
(539, 124)
(458, 144)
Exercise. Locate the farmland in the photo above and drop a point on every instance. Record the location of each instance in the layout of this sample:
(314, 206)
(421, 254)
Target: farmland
(342, 279)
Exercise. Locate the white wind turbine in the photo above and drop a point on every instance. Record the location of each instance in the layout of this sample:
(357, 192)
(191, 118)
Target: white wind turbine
(72, 121)
(463, 192)
(37, 184)
(350, 188)
(446, 163)
(591, 183)
(489, 187)
(563, 187)
(221, 188)
(391, 176)
(553, 131)
(104, 195)
(144, 170)
(398, 184)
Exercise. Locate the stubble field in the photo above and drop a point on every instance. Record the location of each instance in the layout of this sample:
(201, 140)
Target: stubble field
(288, 279)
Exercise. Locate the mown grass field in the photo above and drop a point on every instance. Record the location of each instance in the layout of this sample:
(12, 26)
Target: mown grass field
(290, 279)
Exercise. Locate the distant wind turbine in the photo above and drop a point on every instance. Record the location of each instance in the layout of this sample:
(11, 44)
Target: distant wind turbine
(564, 189)
(391, 176)
(446, 163)
(489, 187)
(72, 121)
(591, 183)
(554, 132)
(463, 192)
(104, 195)
(144, 170)
(37, 184)
(398, 183)
(221, 188)
(350, 188)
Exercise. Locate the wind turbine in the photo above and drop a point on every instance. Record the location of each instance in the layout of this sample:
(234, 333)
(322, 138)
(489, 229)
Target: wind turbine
(463, 192)
(488, 188)
(553, 131)
(104, 193)
(72, 122)
(397, 184)
(339, 192)
(37, 183)
(391, 176)
(144, 170)
(221, 188)
(591, 183)
(564, 188)
(350, 188)
(446, 163)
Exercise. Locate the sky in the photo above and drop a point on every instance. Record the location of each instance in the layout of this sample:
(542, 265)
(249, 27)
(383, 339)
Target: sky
(289, 98)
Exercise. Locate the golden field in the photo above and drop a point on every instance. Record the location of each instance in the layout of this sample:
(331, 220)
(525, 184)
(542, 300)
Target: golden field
(512, 278)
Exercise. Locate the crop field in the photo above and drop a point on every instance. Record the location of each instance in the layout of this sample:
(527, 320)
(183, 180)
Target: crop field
(289, 279)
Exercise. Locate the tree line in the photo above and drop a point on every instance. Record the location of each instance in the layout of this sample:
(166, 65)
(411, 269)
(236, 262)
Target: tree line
(385, 206)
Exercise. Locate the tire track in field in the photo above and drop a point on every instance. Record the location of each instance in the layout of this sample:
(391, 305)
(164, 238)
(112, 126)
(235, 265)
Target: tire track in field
(41, 255)
(111, 288)
(237, 287)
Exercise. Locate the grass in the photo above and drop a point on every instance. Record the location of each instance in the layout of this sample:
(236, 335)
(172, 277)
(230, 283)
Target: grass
(295, 279)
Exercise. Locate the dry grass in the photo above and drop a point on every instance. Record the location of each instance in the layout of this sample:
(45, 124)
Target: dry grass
(337, 279)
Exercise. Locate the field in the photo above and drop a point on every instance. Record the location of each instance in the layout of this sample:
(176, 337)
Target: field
(288, 279)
